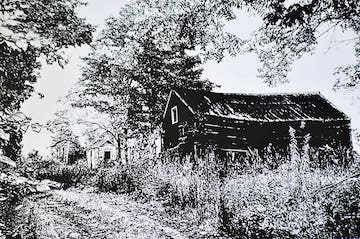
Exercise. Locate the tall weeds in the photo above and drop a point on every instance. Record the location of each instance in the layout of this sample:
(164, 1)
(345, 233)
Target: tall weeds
(307, 194)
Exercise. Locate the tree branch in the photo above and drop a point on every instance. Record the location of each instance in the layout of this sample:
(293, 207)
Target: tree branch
(81, 121)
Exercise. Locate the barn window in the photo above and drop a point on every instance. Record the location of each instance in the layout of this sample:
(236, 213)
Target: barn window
(174, 115)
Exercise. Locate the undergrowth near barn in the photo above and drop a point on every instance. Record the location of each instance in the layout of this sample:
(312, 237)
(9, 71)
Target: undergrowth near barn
(294, 199)
(293, 203)
(309, 194)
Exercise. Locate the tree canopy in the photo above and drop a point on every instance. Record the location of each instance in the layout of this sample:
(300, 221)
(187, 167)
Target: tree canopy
(30, 30)
(143, 53)
(292, 28)
(60, 127)
(45, 26)
(33, 29)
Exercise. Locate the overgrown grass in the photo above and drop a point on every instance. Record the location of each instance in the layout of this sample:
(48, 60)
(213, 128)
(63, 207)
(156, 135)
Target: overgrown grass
(312, 195)
(291, 203)
(292, 200)
(119, 179)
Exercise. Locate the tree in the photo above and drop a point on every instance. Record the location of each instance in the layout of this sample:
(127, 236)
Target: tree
(292, 28)
(33, 29)
(45, 27)
(60, 127)
(100, 89)
(63, 135)
(196, 25)
(136, 61)
(30, 30)
(159, 71)
(132, 99)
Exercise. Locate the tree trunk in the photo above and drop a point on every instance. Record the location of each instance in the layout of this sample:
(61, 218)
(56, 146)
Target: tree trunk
(118, 150)
(126, 146)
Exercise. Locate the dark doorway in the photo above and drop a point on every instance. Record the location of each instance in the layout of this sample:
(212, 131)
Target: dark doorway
(106, 155)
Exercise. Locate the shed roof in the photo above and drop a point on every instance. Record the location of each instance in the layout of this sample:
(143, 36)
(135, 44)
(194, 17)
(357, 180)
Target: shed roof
(261, 107)
(99, 143)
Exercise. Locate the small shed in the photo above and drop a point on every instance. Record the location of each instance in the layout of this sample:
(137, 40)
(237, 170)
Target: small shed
(237, 122)
(100, 151)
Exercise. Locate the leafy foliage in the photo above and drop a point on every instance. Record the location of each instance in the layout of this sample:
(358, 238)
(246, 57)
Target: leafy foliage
(12, 126)
(60, 127)
(45, 27)
(17, 75)
(137, 92)
(290, 203)
(153, 51)
(30, 30)
(292, 29)
(10, 193)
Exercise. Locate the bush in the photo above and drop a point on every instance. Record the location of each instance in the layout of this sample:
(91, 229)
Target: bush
(11, 194)
(45, 168)
(342, 209)
(294, 199)
(191, 189)
(71, 175)
(180, 186)
(119, 179)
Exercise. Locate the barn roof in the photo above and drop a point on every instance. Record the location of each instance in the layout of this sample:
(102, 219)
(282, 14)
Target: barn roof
(261, 107)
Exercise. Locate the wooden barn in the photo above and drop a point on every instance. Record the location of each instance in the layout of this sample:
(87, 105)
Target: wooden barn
(237, 122)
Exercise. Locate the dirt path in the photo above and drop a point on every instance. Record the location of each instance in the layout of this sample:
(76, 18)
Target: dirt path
(81, 214)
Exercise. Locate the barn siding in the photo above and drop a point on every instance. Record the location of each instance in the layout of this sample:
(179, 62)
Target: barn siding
(171, 132)
(206, 129)
(240, 135)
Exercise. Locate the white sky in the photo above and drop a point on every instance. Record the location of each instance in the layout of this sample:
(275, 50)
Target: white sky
(234, 74)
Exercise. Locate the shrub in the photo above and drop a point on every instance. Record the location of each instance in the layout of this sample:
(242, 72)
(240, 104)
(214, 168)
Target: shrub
(45, 168)
(11, 194)
(71, 175)
(119, 179)
(185, 187)
(331, 157)
(342, 208)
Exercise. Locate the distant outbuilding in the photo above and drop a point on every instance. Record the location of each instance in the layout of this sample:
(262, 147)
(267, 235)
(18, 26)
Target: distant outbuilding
(101, 151)
(195, 119)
